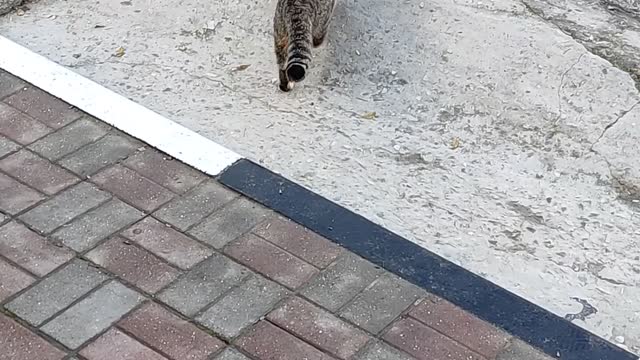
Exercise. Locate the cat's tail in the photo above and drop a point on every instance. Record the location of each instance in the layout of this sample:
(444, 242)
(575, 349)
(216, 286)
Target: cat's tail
(300, 42)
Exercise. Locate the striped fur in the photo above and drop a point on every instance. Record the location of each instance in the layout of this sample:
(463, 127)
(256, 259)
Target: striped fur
(298, 26)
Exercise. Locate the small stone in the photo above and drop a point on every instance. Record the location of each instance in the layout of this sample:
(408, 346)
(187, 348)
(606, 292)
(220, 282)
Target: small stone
(619, 339)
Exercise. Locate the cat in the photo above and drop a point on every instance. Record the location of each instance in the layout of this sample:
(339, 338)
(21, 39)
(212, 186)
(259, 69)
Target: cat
(298, 25)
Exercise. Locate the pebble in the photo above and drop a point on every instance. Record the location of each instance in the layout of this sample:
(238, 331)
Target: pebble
(619, 339)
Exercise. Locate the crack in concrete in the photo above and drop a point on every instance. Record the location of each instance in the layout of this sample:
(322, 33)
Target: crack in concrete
(613, 123)
(559, 95)
(592, 49)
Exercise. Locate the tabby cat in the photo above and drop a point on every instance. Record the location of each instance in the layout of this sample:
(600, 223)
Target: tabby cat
(297, 25)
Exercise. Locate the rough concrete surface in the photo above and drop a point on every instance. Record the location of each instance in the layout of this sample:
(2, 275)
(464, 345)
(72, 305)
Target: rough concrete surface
(505, 134)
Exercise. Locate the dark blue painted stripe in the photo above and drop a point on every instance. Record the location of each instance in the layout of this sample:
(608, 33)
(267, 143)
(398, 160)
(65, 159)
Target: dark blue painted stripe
(552, 334)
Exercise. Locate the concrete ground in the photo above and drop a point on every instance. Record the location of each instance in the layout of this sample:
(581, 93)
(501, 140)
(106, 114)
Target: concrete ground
(504, 136)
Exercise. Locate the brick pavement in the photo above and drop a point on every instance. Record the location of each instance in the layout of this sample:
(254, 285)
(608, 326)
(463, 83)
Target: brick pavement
(111, 250)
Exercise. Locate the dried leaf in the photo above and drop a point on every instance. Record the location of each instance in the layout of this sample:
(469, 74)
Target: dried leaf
(371, 115)
(242, 67)
(455, 143)
(119, 52)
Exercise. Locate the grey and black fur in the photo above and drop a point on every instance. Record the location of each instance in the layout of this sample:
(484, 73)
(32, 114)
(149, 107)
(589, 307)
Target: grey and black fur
(297, 26)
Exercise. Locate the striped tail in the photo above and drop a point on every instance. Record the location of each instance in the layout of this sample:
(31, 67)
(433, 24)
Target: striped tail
(299, 45)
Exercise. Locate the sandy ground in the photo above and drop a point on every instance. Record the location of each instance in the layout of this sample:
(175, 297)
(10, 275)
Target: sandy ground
(500, 134)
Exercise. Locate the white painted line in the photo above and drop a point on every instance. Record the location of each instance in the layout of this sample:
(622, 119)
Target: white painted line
(116, 110)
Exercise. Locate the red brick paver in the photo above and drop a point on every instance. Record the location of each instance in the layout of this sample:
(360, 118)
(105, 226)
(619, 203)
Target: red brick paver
(117, 345)
(319, 328)
(37, 172)
(110, 249)
(170, 334)
(299, 241)
(30, 250)
(43, 107)
(427, 344)
(132, 187)
(461, 326)
(133, 264)
(12, 280)
(267, 342)
(18, 343)
(271, 261)
(167, 243)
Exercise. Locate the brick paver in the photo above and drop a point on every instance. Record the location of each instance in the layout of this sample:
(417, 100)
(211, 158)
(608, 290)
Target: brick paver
(271, 261)
(171, 335)
(117, 345)
(37, 172)
(92, 315)
(192, 207)
(167, 243)
(133, 264)
(7, 146)
(319, 327)
(12, 280)
(268, 342)
(18, 343)
(56, 292)
(29, 250)
(109, 249)
(299, 241)
(16, 196)
(43, 107)
(242, 306)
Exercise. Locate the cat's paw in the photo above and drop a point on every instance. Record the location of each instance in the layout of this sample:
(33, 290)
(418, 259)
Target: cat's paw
(286, 87)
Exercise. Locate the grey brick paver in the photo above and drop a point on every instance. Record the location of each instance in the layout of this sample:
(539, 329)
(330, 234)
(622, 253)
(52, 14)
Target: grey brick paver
(100, 154)
(165, 171)
(64, 207)
(382, 351)
(378, 305)
(9, 84)
(230, 354)
(56, 292)
(519, 350)
(341, 282)
(203, 284)
(92, 315)
(7, 146)
(85, 231)
(228, 223)
(190, 208)
(243, 306)
(70, 138)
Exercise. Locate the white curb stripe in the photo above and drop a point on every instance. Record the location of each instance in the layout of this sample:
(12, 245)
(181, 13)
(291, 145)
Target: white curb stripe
(116, 110)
